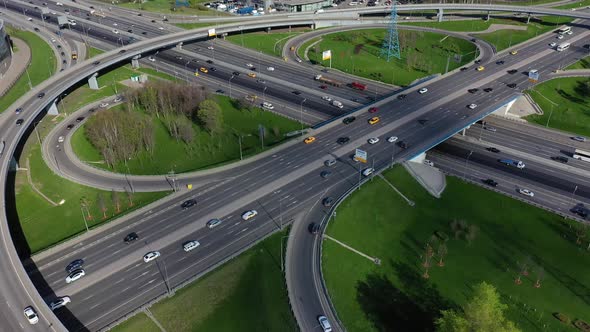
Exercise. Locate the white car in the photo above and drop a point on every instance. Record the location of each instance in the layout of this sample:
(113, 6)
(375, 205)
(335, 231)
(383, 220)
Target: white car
(117, 99)
(268, 105)
(190, 245)
(428, 162)
(115, 24)
(325, 324)
(249, 65)
(560, 37)
(472, 106)
(270, 68)
(579, 138)
(392, 139)
(60, 302)
(60, 139)
(423, 90)
(553, 44)
(373, 140)
(53, 40)
(299, 60)
(210, 48)
(526, 192)
(327, 98)
(29, 18)
(103, 105)
(249, 214)
(160, 28)
(31, 315)
(150, 256)
(115, 31)
(75, 275)
(152, 59)
(570, 32)
(368, 171)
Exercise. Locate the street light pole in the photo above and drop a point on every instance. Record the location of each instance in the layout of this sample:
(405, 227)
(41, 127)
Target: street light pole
(301, 112)
(240, 143)
(466, 161)
(84, 217)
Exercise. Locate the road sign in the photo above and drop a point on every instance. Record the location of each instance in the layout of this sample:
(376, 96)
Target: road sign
(360, 155)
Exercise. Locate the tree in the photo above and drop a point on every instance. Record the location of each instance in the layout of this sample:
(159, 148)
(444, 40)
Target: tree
(441, 252)
(482, 313)
(210, 116)
(85, 204)
(471, 234)
(129, 196)
(116, 200)
(102, 205)
(581, 230)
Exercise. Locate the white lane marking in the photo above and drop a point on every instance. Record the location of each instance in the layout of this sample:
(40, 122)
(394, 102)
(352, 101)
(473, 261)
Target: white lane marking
(141, 275)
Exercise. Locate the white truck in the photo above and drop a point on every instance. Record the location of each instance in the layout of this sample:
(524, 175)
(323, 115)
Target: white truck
(337, 104)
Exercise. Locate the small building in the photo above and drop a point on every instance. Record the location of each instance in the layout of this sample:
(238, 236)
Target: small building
(5, 53)
(301, 5)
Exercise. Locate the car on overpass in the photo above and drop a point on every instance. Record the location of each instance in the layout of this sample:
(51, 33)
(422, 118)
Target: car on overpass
(374, 120)
(309, 140)
(204, 70)
(150, 256)
(515, 52)
(423, 91)
(31, 315)
(526, 192)
(60, 302)
(480, 68)
(249, 214)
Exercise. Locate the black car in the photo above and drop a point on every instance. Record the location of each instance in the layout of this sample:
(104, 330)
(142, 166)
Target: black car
(130, 31)
(560, 159)
(131, 237)
(70, 126)
(210, 62)
(494, 150)
(63, 54)
(64, 61)
(401, 96)
(153, 21)
(581, 210)
(59, 46)
(19, 122)
(188, 204)
(325, 174)
(92, 110)
(488, 89)
(219, 91)
(80, 119)
(328, 201)
(96, 63)
(36, 29)
(477, 62)
(342, 140)
(355, 99)
(213, 69)
(464, 68)
(512, 85)
(253, 69)
(512, 71)
(422, 121)
(235, 73)
(122, 51)
(348, 120)
(41, 95)
(402, 144)
(144, 33)
(324, 70)
(74, 265)
(490, 182)
(314, 228)
(472, 90)
(296, 92)
(501, 62)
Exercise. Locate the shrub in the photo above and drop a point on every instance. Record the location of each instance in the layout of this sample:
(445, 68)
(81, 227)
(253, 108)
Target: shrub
(562, 318)
(582, 325)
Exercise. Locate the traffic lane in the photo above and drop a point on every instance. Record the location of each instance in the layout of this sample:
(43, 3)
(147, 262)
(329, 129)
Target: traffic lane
(530, 172)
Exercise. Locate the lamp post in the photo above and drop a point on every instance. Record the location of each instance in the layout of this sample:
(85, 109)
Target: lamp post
(301, 112)
(84, 217)
(466, 161)
(229, 81)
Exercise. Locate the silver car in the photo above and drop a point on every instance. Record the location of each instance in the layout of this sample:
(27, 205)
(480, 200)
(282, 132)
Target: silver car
(60, 302)
(75, 275)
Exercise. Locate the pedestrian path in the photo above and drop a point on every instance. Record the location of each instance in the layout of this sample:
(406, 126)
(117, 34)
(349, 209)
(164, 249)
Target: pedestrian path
(372, 259)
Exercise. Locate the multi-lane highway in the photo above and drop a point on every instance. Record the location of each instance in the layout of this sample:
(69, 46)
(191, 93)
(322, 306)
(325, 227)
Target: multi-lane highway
(441, 112)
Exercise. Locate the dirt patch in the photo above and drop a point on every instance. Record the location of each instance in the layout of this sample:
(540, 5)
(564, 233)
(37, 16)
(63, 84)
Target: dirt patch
(358, 48)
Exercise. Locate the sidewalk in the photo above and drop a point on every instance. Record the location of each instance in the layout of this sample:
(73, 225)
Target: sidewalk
(20, 60)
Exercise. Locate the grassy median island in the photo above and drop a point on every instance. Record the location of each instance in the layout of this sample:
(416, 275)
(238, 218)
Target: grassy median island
(270, 43)
(494, 239)
(423, 54)
(181, 142)
(564, 102)
(246, 294)
(42, 66)
(45, 223)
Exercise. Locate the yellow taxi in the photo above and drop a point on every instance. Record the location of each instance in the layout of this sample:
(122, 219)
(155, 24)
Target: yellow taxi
(515, 52)
(481, 68)
(203, 70)
(309, 140)
(252, 75)
(374, 120)
(196, 73)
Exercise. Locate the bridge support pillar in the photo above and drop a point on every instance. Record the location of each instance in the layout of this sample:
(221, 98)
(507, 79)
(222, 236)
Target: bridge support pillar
(92, 82)
(528, 19)
(503, 111)
(440, 15)
(179, 46)
(489, 15)
(53, 110)
(419, 158)
(464, 130)
(134, 63)
(13, 167)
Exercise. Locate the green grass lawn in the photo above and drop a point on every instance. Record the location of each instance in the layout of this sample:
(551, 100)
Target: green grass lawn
(167, 7)
(301, 49)
(395, 297)
(140, 322)
(357, 52)
(189, 26)
(45, 224)
(207, 150)
(246, 294)
(464, 25)
(583, 63)
(570, 112)
(42, 66)
(503, 39)
(269, 43)
(577, 5)
(92, 52)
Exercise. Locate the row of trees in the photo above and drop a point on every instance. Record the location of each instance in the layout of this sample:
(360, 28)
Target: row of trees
(101, 202)
(120, 135)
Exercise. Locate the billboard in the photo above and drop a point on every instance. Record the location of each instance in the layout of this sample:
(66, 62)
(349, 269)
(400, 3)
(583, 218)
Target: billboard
(360, 155)
(327, 55)
(212, 32)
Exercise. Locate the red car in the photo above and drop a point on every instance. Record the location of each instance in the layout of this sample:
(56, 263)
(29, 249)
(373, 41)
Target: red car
(372, 109)
(323, 87)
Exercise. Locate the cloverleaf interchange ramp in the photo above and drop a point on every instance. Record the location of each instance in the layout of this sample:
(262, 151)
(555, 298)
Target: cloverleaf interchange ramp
(87, 69)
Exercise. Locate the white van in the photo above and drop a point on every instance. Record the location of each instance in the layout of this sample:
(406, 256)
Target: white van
(190, 245)
(267, 105)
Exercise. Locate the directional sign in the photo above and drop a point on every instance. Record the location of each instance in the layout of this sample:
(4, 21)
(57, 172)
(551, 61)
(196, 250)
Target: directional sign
(360, 155)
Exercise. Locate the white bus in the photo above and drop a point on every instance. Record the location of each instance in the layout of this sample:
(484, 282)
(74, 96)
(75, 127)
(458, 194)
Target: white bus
(563, 47)
(581, 155)
(564, 30)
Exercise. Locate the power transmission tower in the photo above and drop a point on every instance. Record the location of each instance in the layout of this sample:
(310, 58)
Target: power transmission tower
(390, 46)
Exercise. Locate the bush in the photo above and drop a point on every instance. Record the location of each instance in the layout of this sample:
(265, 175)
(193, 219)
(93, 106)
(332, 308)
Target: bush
(582, 325)
(562, 318)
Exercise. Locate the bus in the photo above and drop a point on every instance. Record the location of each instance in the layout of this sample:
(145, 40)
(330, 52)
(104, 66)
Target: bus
(564, 30)
(581, 155)
(563, 47)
